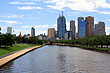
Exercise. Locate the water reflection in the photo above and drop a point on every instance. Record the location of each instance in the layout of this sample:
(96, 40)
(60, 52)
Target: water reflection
(61, 61)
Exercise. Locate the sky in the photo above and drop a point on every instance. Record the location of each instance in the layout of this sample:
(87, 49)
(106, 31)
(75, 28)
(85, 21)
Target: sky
(22, 15)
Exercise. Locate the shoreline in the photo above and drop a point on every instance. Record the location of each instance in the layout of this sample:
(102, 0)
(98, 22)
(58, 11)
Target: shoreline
(86, 48)
(16, 54)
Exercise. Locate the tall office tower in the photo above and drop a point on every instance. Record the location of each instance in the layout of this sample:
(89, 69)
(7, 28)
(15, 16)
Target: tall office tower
(32, 31)
(9, 30)
(51, 33)
(81, 27)
(75, 32)
(89, 26)
(100, 28)
(72, 29)
(61, 26)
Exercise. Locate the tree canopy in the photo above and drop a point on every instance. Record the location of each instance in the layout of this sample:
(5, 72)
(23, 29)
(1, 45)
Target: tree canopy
(6, 40)
(88, 41)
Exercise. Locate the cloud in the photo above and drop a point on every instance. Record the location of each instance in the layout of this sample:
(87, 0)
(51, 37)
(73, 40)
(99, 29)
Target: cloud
(41, 26)
(79, 5)
(28, 8)
(29, 18)
(26, 26)
(108, 20)
(55, 25)
(53, 11)
(31, 0)
(95, 22)
(11, 22)
(103, 12)
(26, 3)
(11, 16)
(68, 26)
(3, 28)
(107, 30)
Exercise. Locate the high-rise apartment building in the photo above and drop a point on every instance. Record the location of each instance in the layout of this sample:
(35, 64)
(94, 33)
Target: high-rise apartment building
(89, 26)
(81, 27)
(61, 26)
(72, 29)
(9, 30)
(100, 28)
(51, 33)
(32, 31)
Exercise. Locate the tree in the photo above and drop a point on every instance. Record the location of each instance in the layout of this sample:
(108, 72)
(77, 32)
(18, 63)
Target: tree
(17, 39)
(9, 40)
(6, 40)
(32, 40)
(24, 39)
(0, 31)
(2, 40)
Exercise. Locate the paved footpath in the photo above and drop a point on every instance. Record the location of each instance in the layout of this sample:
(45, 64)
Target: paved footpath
(16, 55)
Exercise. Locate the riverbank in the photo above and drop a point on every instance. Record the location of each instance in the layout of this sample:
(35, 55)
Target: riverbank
(16, 47)
(105, 50)
(11, 57)
(8, 49)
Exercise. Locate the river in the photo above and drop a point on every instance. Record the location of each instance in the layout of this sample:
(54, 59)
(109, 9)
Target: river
(59, 59)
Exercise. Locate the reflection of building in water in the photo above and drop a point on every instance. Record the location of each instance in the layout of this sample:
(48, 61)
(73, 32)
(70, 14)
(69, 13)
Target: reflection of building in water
(61, 62)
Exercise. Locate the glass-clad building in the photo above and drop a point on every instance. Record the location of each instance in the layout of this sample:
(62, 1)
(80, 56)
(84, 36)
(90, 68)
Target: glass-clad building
(32, 31)
(81, 27)
(61, 26)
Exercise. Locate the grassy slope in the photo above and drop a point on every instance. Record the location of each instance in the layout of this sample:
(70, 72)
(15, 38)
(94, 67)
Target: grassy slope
(32, 45)
(8, 49)
(16, 47)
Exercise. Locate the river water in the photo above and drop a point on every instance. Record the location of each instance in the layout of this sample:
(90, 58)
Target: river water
(59, 59)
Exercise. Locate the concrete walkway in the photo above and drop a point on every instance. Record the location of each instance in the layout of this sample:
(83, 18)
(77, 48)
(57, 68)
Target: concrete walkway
(16, 55)
(26, 45)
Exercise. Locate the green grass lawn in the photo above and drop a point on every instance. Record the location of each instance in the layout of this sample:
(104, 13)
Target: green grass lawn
(8, 49)
(16, 47)
(32, 45)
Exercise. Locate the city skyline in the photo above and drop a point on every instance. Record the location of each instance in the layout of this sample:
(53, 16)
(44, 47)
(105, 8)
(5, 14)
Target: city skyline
(24, 14)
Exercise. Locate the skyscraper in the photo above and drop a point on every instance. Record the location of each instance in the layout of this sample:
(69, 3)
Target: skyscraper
(81, 27)
(61, 26)
(72, 29)
(32, 31)
(89, 26)
(100, 28)
(9, 30)
(51, 33)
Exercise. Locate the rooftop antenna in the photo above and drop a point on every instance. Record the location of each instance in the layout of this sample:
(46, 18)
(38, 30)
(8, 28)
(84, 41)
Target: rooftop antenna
(59, 15)
(62, 13)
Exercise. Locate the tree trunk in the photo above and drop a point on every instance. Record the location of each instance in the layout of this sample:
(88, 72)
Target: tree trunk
(101, 46)
(96, 46)
(107, 46)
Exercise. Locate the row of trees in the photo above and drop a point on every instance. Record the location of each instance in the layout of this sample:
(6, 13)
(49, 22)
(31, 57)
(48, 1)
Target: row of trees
(9, 40)
(6, 40)
(30, 40)
(92, 41)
